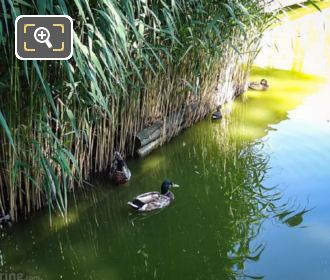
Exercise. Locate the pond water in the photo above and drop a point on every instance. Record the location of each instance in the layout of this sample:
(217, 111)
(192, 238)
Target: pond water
(253, 201)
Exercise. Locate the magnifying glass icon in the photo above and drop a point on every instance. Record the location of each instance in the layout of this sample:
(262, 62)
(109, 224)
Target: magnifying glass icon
(41, 35)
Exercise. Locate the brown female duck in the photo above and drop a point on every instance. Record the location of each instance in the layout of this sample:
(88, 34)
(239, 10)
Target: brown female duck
(259, 86)
(119, 172)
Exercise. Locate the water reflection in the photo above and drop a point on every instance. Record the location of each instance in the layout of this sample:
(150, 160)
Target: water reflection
(288, 90)
(291, 218)
(208, 233)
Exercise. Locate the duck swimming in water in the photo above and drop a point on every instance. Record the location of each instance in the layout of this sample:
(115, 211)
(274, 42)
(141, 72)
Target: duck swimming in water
(119, 172)
(154, 200)
(217, 115)
(259, 86)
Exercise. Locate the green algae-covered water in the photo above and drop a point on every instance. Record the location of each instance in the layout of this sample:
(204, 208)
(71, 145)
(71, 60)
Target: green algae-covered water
(254, 200)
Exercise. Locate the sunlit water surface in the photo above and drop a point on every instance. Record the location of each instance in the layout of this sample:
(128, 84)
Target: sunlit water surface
(253, 202)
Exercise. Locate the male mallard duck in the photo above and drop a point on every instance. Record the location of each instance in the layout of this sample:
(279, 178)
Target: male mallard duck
(260, 86)
(217, 115)
(154, 200)
(119, 172)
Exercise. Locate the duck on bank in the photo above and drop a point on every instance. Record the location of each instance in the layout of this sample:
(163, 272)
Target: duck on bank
(259, 86)
(217, 115)
(119, 171)
(154, 200)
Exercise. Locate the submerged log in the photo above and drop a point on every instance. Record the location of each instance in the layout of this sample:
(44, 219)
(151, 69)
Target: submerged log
(147, 149)
(149, 134)
(151, 137)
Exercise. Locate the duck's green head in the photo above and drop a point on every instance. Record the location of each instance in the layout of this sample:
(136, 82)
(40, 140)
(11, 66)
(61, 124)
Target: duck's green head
(264, 82)
(166, 185)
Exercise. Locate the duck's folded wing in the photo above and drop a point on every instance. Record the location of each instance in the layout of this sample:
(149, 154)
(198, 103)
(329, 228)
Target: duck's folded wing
(161, 202)
(148, 197)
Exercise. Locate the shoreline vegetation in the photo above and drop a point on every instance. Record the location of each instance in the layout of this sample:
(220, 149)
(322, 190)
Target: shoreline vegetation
(135, 63)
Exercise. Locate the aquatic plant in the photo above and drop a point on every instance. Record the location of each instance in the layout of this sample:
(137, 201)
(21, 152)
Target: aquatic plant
(134, 62)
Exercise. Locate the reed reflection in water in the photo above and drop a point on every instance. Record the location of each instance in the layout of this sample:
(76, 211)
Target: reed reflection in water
(209, 232)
